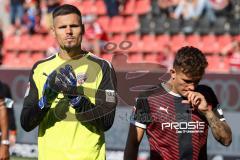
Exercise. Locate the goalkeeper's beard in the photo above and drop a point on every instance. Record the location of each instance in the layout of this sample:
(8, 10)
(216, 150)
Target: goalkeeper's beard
(71, 50)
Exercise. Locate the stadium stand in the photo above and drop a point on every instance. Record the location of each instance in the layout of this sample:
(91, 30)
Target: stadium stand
(147, 26)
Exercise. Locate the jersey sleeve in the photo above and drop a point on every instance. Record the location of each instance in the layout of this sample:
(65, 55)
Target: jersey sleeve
(11, 116)
(140, 116)
(103, 111)
(31, 114)
(212, 100)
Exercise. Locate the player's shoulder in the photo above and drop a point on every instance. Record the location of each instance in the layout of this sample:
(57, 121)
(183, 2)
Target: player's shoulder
(202, 88)
(208, 93)
(152, 91)
(102, 62)
(38, 63)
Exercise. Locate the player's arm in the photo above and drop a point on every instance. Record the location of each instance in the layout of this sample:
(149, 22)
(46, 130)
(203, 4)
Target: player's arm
(4, 148)
(32, 113)
(108, 98)
(135, 136)
(206, 102)
(11, 117)
(220, 129)
(139, 120)
(102, 113)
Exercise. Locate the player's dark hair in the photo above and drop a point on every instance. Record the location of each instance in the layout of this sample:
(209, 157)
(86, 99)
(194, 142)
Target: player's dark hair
(66, 9)
(191, 61)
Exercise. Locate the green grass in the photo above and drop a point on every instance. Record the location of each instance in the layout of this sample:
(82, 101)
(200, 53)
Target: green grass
(22, 158)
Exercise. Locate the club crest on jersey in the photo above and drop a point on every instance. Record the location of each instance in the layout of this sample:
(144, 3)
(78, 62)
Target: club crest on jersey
(81, 78)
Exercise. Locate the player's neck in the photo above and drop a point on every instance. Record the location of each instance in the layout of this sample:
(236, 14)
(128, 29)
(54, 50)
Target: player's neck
(72, 54)
(170, 86)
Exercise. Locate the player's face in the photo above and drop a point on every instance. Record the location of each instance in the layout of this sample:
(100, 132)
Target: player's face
(183, 83)
(68, 31)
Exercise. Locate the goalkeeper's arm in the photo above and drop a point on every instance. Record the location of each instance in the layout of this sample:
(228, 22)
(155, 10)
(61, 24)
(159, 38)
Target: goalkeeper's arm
(34, 109)
(103, 111)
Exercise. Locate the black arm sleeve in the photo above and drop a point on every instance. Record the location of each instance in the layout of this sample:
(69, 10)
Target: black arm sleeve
(109, 83)
(211, 99)
(11, 117)
(103, 112)
(31, 114)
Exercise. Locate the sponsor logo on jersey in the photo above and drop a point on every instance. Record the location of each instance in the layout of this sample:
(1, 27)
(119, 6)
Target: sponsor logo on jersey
(185, 127)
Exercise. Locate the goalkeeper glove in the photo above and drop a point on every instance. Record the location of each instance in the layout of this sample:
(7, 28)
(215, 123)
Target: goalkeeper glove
(67, 82)
(48, 94)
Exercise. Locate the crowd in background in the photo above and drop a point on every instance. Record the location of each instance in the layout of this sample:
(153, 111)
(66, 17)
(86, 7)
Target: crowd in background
(34, 17)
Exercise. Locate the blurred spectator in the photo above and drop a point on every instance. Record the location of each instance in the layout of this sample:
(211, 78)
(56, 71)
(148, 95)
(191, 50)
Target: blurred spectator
(47, 7)
(190, 9)
(30, 17)
(94, 37)
(167, 7)
(166, 56)
(16, 11)
(222, 8)
(6, 93)
(114, 7)
(232, 51)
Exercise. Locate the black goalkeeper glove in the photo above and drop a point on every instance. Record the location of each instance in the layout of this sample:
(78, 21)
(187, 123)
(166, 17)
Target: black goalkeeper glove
(67, 83)
(48, 94)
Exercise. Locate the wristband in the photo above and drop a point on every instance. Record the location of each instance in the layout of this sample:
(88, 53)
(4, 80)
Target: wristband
(5, 142)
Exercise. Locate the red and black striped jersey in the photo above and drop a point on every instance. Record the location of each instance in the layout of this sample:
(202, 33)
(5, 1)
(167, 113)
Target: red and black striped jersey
(174, 130)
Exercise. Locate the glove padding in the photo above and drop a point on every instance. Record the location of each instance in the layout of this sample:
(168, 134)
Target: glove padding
(80, 103)
(66, 81)
(48, 94)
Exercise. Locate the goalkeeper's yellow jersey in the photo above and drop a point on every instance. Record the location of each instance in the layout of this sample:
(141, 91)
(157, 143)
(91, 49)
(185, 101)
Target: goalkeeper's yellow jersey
(61, 136)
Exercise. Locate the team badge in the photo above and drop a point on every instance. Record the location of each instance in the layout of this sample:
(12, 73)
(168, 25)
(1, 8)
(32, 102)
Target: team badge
(81, 78)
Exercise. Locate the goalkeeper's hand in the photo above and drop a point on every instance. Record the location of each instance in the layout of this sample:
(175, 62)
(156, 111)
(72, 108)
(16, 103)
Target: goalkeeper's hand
(48, 94)
(67, 83)
(80, 103)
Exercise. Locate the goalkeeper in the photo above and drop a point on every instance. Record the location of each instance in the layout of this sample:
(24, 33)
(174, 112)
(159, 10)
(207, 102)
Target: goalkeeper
(71, 96)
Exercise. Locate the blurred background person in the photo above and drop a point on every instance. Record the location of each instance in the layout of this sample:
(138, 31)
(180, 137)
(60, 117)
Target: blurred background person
(95, 37)
(232, 51)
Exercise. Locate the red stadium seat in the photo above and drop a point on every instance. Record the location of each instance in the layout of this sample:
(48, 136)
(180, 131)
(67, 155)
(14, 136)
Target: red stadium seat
(49, 41)
(162, 40)
(129, 7)
(217, 64)
(24, 59)
(224, 40)
(210, 44)
(136, 43)
(104, 22)
(151, 57)
(142, 6)
(194, 40)
(149, 43)
(116, 24)
(135, 57)
(118, 38)
(130, 24)
(100, 7)
(107, 56)
(40, 43)
(178, 41)
(36, 56)
(87, 7)
(237, 37)
(9, 58)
